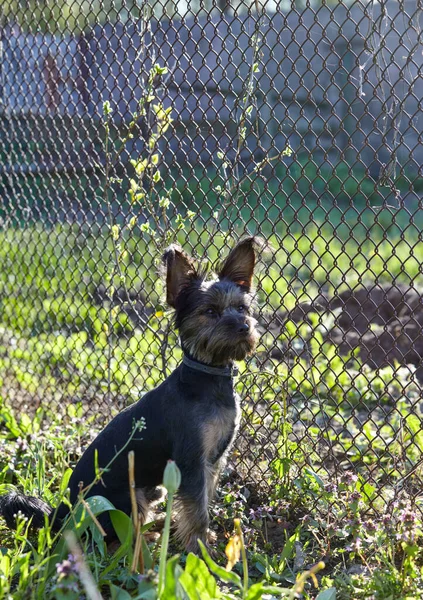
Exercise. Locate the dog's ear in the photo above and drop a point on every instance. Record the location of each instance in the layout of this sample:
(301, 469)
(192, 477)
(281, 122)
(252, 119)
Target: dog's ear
(239, 265)
(180, 270)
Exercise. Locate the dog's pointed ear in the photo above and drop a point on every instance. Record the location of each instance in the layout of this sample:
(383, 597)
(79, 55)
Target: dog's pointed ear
(239, 265)
(180, 269)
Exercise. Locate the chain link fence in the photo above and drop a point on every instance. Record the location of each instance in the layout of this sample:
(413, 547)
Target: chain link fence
(127, 126)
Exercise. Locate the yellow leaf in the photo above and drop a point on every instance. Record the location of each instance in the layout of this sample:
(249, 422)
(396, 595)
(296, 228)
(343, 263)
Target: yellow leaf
(115, 232)
(233, 552)
(141, 166)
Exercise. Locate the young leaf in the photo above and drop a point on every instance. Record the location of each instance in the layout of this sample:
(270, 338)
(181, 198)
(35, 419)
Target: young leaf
(197, 580)
(65, 480)
(171, 580)
(221, 572)
(119, 593)
(288, 548)
(329, 594)
(261, 590)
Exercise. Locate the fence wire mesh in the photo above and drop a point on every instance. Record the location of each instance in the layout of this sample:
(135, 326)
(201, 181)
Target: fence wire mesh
(125, 127)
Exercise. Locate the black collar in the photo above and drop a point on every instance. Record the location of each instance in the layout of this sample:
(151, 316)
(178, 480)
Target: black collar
(229, 371)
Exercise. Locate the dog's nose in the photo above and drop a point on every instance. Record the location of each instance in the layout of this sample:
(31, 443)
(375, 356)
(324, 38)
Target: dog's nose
(244, 328)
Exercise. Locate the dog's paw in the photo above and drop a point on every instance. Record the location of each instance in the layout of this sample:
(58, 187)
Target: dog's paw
(193, 546)
(151, 536)
(211, 537)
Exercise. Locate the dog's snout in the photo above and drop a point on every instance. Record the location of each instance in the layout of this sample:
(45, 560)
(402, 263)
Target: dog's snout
(243, 328)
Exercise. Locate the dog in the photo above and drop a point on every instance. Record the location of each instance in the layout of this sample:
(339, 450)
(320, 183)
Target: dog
(191, 418)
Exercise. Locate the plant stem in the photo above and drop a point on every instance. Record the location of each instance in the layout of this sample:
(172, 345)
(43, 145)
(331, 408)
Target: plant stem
(244, 558)
(165, 544)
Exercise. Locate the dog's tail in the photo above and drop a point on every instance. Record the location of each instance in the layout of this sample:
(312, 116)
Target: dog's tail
(32, 508)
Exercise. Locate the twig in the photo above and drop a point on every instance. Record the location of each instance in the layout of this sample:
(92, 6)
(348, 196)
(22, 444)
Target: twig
(131, 469)
(136, 517)
(138, 555)
(94, 518)
(83, 570)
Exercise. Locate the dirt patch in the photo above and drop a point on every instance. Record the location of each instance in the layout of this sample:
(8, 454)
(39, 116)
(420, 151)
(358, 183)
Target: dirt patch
(384, 322)
(131, 302)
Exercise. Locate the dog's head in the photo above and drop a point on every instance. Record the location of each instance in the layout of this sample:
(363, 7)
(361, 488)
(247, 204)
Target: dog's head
(214, 315)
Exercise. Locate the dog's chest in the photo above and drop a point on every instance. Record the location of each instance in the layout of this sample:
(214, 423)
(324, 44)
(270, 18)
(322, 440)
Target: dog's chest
(218, 431)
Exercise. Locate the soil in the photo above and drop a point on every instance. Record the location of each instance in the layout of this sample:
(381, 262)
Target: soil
(385, 323)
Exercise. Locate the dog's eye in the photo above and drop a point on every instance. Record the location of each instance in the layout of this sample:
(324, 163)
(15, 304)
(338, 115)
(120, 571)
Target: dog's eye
(242, 308)
(211, 312)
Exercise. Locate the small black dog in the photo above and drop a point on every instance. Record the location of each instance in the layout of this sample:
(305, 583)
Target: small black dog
(191, 418)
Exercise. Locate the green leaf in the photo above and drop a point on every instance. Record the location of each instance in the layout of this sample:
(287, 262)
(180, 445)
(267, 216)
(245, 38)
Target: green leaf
(119, 593)
(78, 521)
(316, 478)
(170, 591)
(414, 424)
(197, 580)
(106, 108)
(65, 480)
(148, 559)
(288, 548)
(26, 423)
(10, 422)
(98, 539)
(258, 590)
(329, 594)
(122, 524)
(223, 574)
(150, 594)
(124, 531)
(97, 504)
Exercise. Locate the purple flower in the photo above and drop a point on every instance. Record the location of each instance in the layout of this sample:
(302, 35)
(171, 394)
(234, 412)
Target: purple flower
(21, 444)
(331, 488)
(408, 517)
(348, 478)
(355, 546)
(370, 525)
(66, 567)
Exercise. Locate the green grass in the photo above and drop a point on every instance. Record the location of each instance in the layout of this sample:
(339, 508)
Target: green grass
(336, 196)
(68, 363)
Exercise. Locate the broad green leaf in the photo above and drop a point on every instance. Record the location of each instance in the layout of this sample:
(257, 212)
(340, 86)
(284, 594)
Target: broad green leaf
(148, 559)
(10, 422)
(147, 589)
(258, 590)
(223, 574)
(97, 504)
(170, 591)
(288, 548)
(197, 580)
(118, 593)
(79, 522)
(150, 594)
(314, 476)
(329, 594)
(97, 539)
(122, 524)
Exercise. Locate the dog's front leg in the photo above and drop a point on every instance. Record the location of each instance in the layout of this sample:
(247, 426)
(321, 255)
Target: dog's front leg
(192, 507)
(212, 475)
